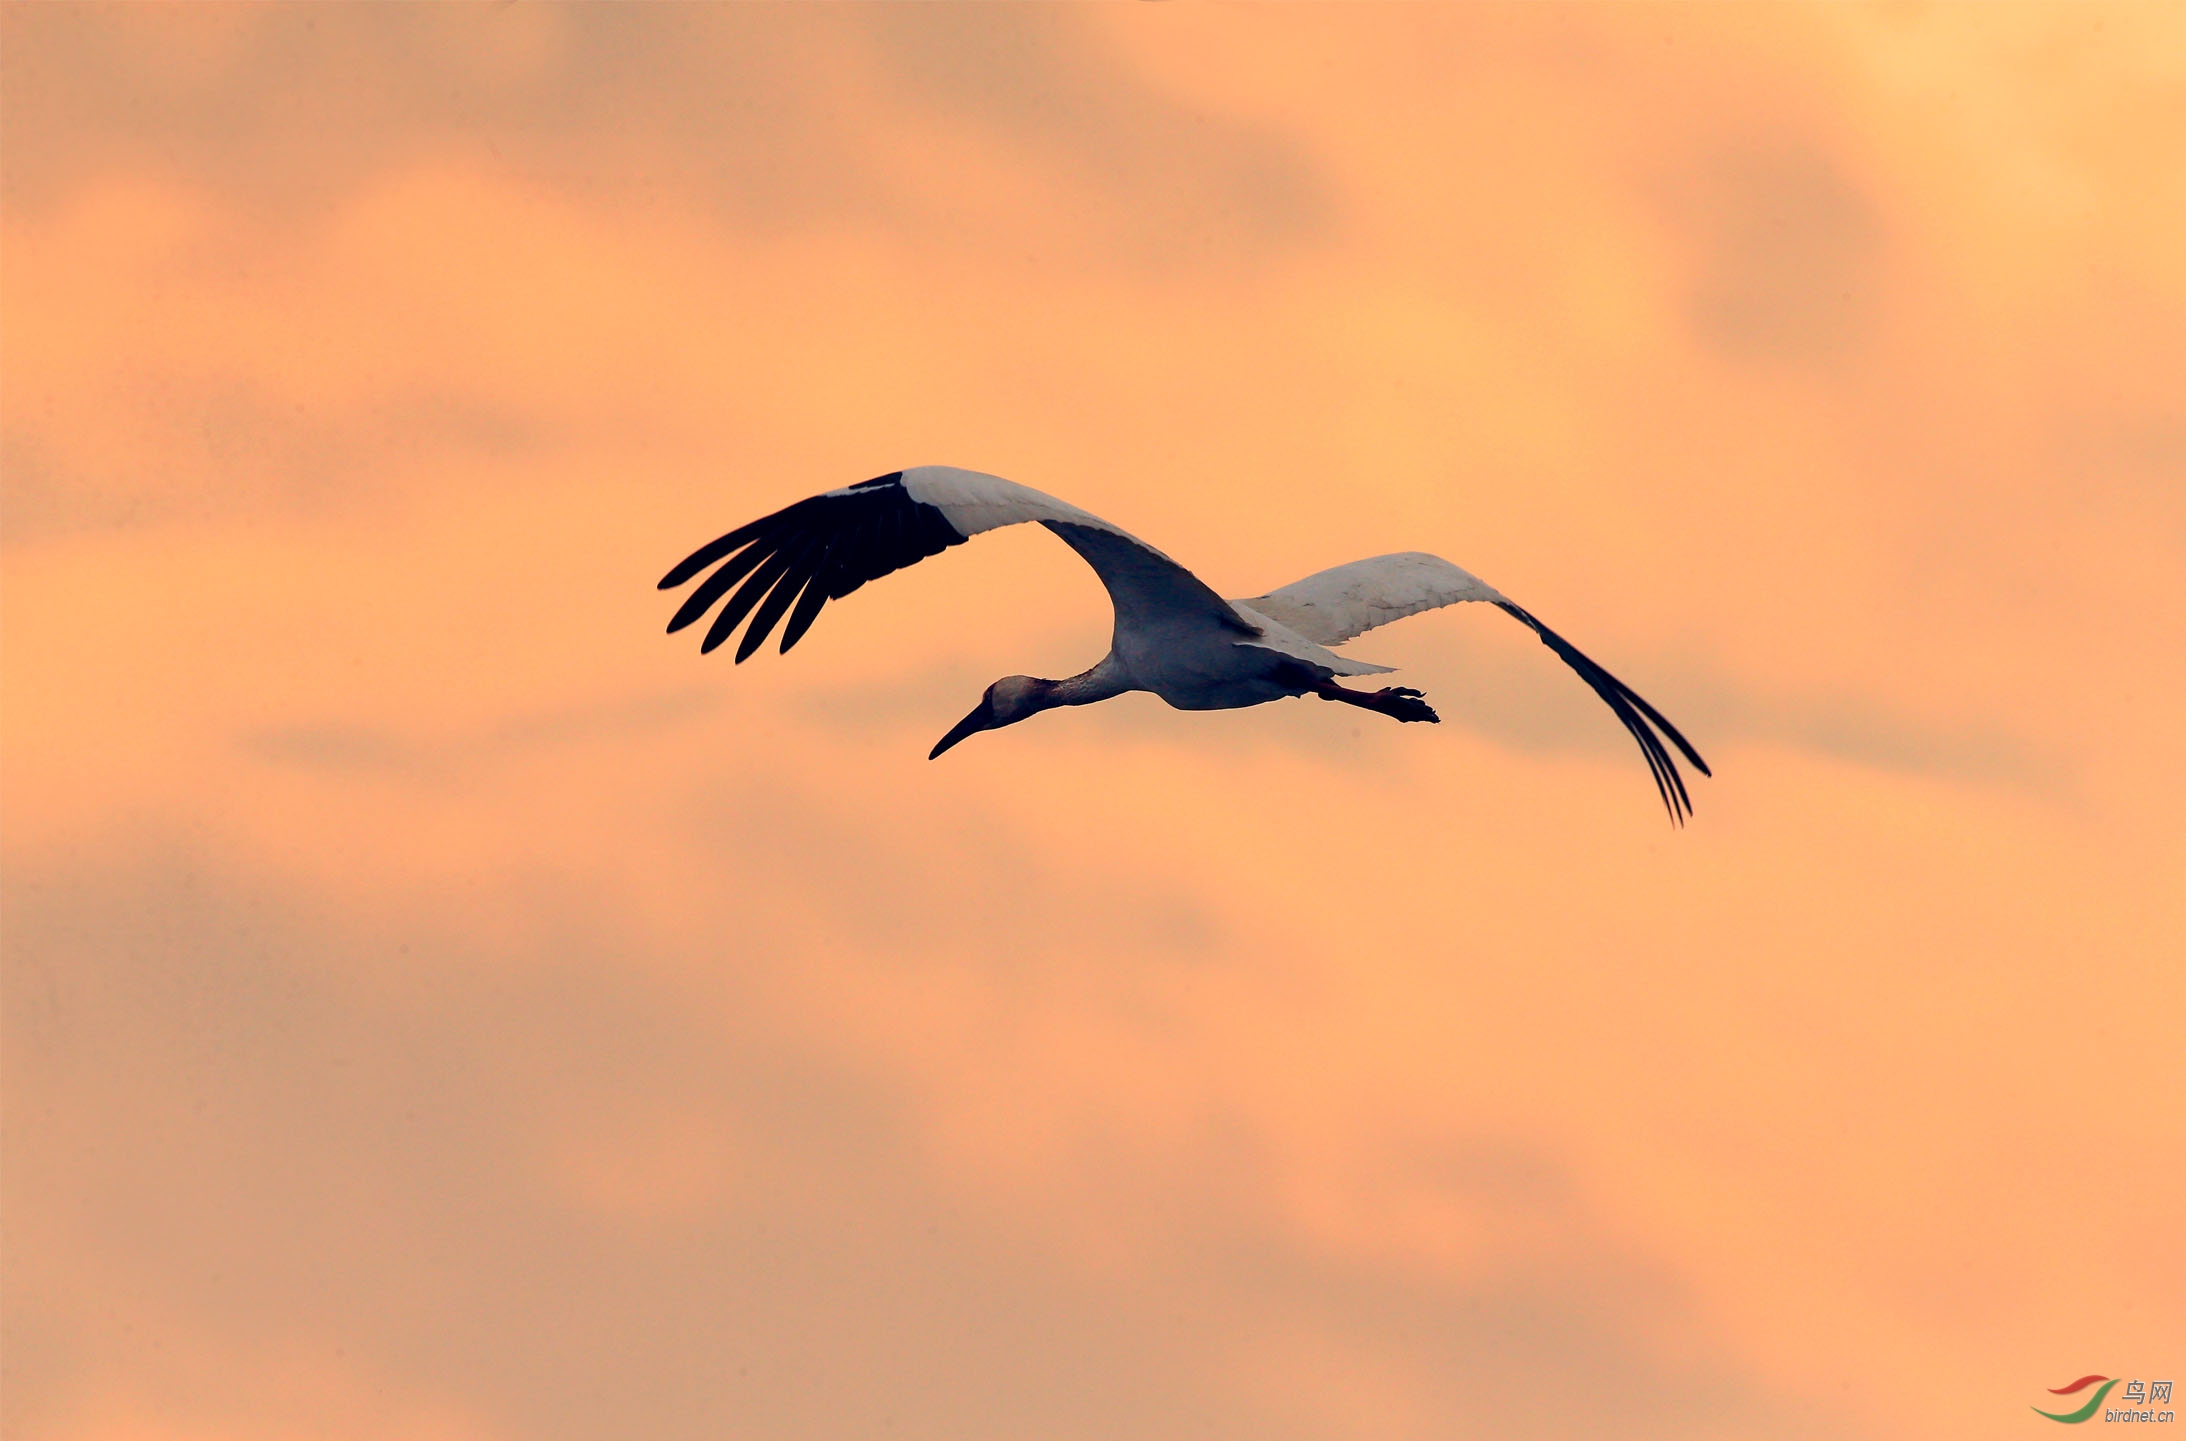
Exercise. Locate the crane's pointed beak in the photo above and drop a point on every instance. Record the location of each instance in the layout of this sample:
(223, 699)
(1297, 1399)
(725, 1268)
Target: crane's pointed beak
(981, 719)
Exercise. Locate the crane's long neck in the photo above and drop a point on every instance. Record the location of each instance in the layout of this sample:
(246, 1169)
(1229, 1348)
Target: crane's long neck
(1104, 680)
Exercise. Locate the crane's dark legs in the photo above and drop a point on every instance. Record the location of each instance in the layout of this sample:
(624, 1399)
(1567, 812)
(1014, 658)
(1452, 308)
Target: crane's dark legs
(1400, 702)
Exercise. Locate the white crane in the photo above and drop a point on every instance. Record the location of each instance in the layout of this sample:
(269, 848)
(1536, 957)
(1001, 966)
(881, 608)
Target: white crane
(1174, 636)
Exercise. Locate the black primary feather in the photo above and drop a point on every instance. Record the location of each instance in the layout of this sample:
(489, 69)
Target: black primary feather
(795, 577)
(1630, 709)
(804, 555)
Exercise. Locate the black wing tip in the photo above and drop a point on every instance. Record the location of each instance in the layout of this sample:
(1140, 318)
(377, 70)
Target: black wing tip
(712, 551)
(686, 568)
(796, 560)
(1633, 711)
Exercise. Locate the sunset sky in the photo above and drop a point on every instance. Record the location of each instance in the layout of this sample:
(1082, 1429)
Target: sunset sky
(441, 1007)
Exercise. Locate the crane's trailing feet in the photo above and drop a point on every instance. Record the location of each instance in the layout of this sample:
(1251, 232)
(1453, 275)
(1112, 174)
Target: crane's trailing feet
(1174, 636)
(1400, 701)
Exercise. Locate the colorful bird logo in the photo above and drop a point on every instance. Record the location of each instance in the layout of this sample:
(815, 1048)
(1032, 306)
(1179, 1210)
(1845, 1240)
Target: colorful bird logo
(2094, 1402)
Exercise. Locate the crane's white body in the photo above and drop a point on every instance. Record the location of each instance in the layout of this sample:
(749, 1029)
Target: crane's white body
(1173, 635)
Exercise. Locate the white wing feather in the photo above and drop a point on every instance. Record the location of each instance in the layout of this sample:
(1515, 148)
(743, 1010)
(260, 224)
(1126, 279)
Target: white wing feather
(1150, 591)
(974, 501)
(1333, 606)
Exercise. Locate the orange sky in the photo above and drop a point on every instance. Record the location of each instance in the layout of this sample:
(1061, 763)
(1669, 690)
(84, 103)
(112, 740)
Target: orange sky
(440, 1006)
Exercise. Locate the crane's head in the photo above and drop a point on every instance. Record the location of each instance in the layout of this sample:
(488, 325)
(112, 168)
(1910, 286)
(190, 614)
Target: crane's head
(1007, 701)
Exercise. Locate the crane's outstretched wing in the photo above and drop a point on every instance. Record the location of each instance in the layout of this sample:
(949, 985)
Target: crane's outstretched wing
(1335, 605)
(798, 559)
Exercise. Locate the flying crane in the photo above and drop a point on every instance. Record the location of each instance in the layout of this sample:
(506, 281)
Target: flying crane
(1173, 637)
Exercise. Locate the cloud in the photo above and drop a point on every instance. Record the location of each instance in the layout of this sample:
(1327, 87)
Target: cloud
(277, 111)
(226, 449)
(1180, 186)
(765, 118)
(1791, 254)
(383, 1140)
(348, 748)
